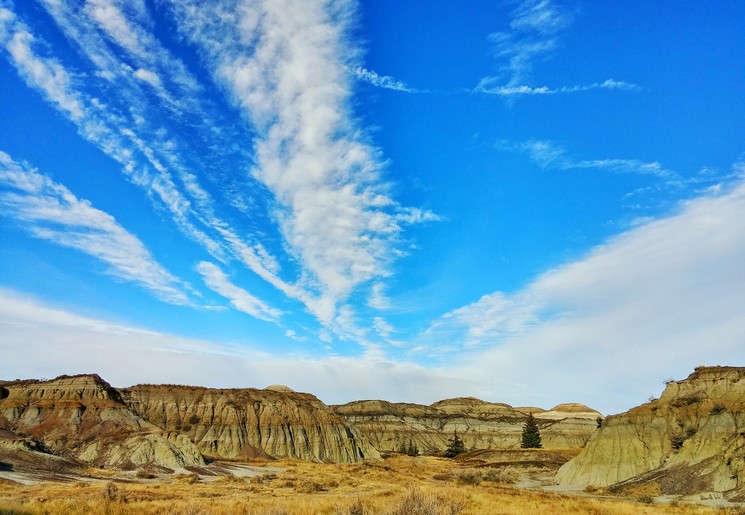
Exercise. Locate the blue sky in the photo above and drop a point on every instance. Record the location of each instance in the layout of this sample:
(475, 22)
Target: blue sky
(529, 202)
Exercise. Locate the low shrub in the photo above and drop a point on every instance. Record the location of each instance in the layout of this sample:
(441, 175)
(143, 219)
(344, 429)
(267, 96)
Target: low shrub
(416, 503)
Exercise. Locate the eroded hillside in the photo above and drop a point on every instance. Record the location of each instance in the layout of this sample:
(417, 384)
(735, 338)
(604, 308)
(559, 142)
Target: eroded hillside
(82, 418)
(480, 424)
(244, 423)
(691, 439)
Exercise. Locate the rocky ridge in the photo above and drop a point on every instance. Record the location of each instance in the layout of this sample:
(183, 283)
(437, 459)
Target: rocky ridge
(244, 423)
(690, 440)
(481, 425)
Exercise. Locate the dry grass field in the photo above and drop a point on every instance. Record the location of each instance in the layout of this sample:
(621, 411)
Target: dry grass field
(398, 485)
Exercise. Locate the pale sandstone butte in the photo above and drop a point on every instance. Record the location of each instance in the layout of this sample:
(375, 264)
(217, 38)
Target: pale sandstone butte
(481, 425)
(84, 418)
(690, 440)
(242, 423)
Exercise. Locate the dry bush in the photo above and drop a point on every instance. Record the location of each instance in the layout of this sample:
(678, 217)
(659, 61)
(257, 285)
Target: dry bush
(447, 476)
(310, 487)
(417, 503)
(111, 492)
(502, 475)
(145, 474)
(187, 478)
(468, 477)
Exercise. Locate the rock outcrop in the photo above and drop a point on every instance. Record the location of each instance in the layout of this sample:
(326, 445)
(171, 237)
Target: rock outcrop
(83, 418)
(690, 440)
(243, 423)
(481, 425)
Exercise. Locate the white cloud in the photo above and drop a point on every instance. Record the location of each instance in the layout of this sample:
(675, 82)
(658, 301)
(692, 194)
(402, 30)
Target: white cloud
(382, 81)
(50, 211)
(45, 74)
(383, 328)
(535, 26)
(149, 156)
(149, 77)
(44, 341)
(107, 14)
(292, 73)
(548, 154)
(289, 70)
(492, 86)
(239, 298)
(653, 302)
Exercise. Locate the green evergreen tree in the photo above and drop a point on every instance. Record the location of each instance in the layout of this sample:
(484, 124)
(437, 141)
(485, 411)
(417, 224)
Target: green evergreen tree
(455, 447)
(531, 434)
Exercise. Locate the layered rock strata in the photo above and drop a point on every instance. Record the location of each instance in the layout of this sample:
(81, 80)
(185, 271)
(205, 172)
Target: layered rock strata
(83, 418)
(481, 425)
(690, 440)
(242, 423)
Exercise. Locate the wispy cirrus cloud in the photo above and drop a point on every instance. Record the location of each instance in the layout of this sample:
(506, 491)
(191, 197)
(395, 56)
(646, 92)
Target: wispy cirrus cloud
(150, 157)
(290, 73)
(535, 27)
(102, 125)
(239, 298)
(491, 86)
(313, 171)
(382, 81)
(548, 154)
(50, 211)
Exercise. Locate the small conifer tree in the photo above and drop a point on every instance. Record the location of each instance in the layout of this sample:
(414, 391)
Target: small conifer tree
(531, 438)
(455, 447)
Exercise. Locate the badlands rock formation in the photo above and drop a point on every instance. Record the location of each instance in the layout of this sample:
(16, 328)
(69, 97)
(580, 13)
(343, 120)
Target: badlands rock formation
(481, 425)
(83, 418)
(690, 440)
(242, 423)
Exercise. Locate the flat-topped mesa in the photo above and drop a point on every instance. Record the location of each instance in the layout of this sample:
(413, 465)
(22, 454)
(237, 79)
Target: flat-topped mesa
(690, 440)
(83, 418)
(243, 423)
(480, 424)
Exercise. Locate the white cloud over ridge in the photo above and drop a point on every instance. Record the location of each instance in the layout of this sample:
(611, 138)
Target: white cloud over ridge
(51, 212)
(604, 330)
(125, 355)
(655, 301)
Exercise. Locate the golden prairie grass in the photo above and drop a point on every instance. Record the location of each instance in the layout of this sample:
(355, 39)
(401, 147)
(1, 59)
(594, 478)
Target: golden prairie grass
(401, 485)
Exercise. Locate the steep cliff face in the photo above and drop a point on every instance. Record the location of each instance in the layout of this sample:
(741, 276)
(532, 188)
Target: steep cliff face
(481, 425)
(84, 418)
(690, 440)
(239, 423)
